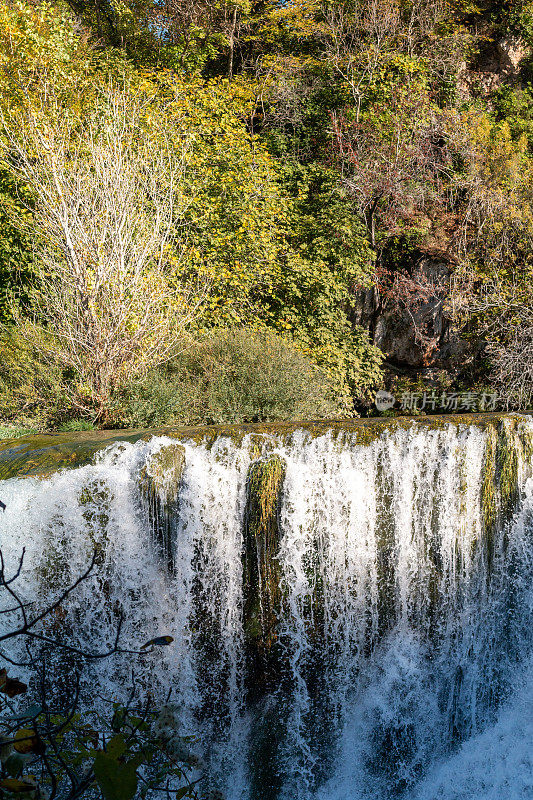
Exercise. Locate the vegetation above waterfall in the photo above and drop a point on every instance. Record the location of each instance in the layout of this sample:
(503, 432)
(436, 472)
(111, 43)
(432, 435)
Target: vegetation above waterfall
(256, 211)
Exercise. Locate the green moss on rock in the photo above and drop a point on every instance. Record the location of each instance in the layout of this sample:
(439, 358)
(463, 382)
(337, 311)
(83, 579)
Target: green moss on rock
(159, 484)
(508, 454)
(262, 592)
(386, 551)
(489, 489)
(507, 459)
(163, 471)
(46, 453)
(95, 501)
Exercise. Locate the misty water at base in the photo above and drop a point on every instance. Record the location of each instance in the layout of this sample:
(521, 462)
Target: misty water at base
(403, 655)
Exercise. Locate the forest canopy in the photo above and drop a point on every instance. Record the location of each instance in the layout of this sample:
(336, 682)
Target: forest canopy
(346, 186)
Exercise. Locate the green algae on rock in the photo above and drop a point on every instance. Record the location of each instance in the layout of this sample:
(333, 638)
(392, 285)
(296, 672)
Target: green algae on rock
(162, 473)
(46, 453)
(262, 592)
(507, 460)
(508, 450)
(159, 483)
(488, 491)
(385, 561)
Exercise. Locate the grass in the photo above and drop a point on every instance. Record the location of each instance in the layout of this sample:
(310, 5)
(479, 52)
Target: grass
(15, 431)
(9, 430)
(76, 425)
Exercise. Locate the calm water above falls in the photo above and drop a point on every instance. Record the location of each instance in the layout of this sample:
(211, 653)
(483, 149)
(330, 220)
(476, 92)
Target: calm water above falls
(360, 628)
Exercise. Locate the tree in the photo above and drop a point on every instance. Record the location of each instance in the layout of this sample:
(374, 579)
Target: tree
(491, 295)
(313, 296)
(231, 226)
(16, 256)
(390, 156)
(510, 345)
(108, 190)
(35, 41)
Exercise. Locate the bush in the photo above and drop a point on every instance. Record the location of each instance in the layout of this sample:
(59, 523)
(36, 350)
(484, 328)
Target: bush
(31, 389)
(164, 396)
(234, 376)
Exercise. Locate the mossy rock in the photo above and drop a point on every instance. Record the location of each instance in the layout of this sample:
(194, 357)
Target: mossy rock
(508, 451)
(386, 553)
(262, 592)
(46, 453)
(489, 490)
(159, 485)
(163, 471)
(508, 454)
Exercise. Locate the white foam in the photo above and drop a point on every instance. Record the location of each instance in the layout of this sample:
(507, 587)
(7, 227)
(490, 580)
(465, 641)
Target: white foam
(398, 639)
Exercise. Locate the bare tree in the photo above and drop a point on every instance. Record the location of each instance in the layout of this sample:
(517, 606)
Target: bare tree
(55, 743)
(491, 289)
(108, 196)
(512, 356)
(355, 37)
(503, 310)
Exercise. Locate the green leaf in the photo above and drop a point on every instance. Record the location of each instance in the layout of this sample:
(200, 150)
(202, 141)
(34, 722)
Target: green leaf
(14, 765)
(184, 791)
(116, 781)
(116, 746)
(158, 641)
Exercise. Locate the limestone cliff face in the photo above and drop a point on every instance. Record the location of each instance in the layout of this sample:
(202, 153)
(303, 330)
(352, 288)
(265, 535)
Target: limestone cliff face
(500, 62)
(511, 53)
(417, 336)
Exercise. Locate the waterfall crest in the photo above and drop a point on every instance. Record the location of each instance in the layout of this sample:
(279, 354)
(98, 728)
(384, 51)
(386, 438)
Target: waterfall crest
(351, 618)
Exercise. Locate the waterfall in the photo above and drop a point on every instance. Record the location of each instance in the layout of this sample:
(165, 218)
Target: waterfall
(351, 611)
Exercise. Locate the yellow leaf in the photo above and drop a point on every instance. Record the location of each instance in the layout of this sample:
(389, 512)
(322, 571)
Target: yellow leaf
(27, 784)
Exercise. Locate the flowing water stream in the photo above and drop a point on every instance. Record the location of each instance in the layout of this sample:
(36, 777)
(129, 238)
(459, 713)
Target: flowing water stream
(352, 620)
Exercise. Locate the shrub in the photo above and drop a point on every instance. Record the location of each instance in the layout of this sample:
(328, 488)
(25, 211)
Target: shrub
(234, 376)
(31, 389)
(159, 398)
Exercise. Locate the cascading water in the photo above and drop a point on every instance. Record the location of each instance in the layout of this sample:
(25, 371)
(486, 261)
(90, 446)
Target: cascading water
(351, 621)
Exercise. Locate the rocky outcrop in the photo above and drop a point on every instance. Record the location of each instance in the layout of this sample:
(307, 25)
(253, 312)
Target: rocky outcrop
(414, 333)
(262, 592)
(160, 483)
(512, 51)
(500, 63)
